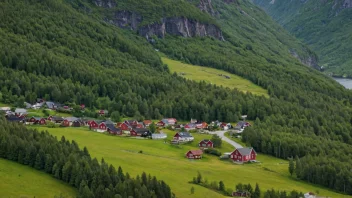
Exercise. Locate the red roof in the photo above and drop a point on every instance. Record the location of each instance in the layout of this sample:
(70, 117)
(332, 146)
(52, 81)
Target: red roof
(147, 121)
(196, 152)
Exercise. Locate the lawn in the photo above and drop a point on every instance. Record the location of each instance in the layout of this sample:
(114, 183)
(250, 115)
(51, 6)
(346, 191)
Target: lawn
(39, 113)
(23, 181)
(168, 163)
(210, 75)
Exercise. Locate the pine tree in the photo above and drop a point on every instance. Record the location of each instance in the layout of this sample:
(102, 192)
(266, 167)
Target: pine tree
(291, 166)
(37, 163)
(221, 186)
(256, 193)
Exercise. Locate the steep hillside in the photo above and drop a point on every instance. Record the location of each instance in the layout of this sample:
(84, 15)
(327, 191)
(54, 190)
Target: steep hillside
(73, 51)
(323, 25)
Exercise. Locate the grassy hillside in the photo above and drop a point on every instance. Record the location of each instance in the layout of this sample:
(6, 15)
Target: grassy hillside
(23, 181)
(323, 25)
(211, 76)
(167, 162)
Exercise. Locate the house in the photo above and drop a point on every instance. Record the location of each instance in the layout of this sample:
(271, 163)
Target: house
(140, 125)
(190, 127)
(77, 123)
(147, 123)
(143, 132)
(243, 155)
(225, 126)
(125, 127)
(178, 126)
(193, 121)
(206, 144)
(37, 120)
(5, 109)
(20, 111)
(68, 121)
(101, 127)
(201, 125)
(156, 136)
(50, 105)
(243, 124)
(309, 195)
(183, 137)
(162, 123)
(241, 194)
(170, 121)
(27, 105)
(113, 130)
(93, 124)
(194, 154)
(55, 119)
(15, 119)
(103, 112)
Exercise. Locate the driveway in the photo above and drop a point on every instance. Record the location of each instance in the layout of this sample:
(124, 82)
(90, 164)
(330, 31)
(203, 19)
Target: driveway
(221, 134)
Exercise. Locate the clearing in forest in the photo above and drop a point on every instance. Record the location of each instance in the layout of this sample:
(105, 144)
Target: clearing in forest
(213, 76)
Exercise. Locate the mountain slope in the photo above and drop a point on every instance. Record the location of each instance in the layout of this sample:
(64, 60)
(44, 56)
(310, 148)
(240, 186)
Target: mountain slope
(72, 51)
(323, 25)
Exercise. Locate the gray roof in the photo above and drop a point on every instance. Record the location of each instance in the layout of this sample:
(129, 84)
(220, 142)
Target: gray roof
(20, 110)
(71, 119)
(166, 121)
(245, 151)
(108, 122)
(185, 134)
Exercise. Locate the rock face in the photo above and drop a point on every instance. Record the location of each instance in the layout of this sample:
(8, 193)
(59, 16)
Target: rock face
(179, 26)
(206, 6)
(310, 61)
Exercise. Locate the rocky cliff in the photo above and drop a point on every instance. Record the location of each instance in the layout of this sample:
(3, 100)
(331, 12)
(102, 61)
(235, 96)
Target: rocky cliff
(179, 25)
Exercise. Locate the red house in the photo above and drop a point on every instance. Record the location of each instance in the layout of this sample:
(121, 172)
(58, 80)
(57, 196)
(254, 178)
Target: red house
(202, 125)
(143, 132)
(243, 154)
(93, 124)
(50, 118)
(131, 123)
(125, 127)
(147, 122)
(206, 144)
(160, 124)
(102, 126)
(194, 154)
(65, 123)
(41, 121)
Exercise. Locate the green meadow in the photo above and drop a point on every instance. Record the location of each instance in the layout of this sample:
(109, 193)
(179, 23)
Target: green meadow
(168, 162)
(211, 76)
(18, 180)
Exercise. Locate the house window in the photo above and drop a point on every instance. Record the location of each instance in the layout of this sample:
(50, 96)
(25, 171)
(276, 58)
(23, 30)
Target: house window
(235, 156)
(204, 145)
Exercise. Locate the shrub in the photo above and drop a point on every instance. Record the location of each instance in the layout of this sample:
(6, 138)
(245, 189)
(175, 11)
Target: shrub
(212, 152)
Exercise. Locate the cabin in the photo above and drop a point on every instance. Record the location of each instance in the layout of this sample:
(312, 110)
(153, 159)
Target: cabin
(243, 124)
(51, 105)
(68, 121)
(194, 154)
(77, 123)
(183, 137)
(93, 124)
(143, 132)
(56, 119)
(131, 123)
(113, 130)
(101, 127)
(140, 125)
(158, 136)
(40, 121)
(125, 127)
(162, 123)
(20, 111)
(147, 123)
(206, 144)
(171, 121)
(103, 112)
(243, 155)
(202, 125)
(241, 194)
(15, 119)
(190, 127)
(193, 121)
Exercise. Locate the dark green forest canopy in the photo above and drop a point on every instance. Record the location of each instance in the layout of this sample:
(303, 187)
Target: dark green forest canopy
(49, 49)
(323, 25)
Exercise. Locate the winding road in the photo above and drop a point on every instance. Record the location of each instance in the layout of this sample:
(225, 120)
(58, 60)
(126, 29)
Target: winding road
(221, 134)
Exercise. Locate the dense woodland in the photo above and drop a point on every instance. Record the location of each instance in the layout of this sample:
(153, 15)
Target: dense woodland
(67, 162)
(63, 55)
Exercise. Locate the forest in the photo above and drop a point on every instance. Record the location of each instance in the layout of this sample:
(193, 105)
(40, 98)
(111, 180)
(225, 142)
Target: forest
(67, 162)
(63, 55)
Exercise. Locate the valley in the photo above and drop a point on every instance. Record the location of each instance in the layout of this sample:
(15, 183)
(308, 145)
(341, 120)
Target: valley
(168, 162)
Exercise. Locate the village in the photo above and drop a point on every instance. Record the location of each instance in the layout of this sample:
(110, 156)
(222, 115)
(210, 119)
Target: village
(137, 129)
(145, 129)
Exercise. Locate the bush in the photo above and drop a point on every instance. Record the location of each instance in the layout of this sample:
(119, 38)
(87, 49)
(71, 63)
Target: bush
(212, 152)
(51, 125)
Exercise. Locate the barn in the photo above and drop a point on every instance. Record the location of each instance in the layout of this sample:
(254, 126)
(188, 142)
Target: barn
(243, 155)
(194, 154)
(206, 144)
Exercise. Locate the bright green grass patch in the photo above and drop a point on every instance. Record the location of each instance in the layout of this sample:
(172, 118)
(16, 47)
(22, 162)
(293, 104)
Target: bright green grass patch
(18, 180)
(39, 113)
(210, 75)
(167, 162)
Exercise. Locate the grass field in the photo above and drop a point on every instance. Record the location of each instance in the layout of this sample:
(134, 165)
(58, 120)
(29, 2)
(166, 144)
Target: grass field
(23, 181)
(168, 163)
(210, 75)
(39, 113)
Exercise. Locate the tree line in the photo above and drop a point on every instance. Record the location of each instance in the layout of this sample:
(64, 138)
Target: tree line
(65, 161)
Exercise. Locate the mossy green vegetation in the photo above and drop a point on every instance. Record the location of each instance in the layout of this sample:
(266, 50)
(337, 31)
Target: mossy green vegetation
(23, 181)
(213, 76)
(168, 162)
(323, 25)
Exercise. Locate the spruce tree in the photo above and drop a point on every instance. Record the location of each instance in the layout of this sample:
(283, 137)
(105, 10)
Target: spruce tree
(221, 186)
(256, 193)
(291, 166)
